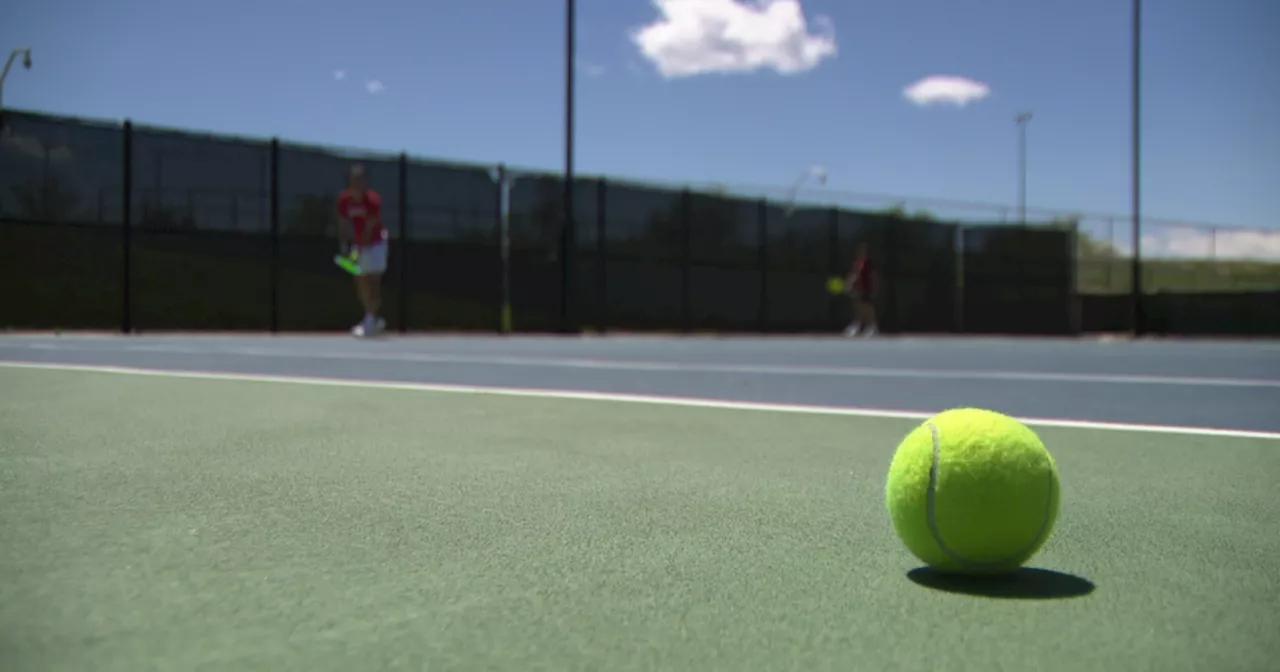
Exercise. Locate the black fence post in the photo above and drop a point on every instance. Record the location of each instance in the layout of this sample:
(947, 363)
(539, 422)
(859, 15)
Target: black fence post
(273, 195)
(602, 253)
(958, 240)
(126, 231)
(402, 275)
(569, 236)
(686, 259)
(762, 228)
(568, 253)
(833, 260)
(886, 311)
(1073, 279)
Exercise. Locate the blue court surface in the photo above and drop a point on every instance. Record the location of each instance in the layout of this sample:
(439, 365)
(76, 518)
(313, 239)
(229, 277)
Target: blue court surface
(1228, 385)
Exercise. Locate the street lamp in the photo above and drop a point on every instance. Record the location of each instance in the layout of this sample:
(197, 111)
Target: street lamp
(817, 173)
(1022, 119)
(568, 238)
(1135, 264)
(25, 52)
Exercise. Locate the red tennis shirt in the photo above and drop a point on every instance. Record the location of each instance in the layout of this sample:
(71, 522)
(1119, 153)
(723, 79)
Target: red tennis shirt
(863, 273)
(363, 212)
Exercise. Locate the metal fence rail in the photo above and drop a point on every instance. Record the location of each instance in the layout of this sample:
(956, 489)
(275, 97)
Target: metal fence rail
(131, 228)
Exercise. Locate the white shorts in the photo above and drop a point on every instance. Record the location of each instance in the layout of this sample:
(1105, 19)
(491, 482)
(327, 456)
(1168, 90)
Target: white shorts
(373, 258)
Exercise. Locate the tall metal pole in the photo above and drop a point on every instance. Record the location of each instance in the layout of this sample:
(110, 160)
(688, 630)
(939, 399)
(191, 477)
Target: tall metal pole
(506, 180)
(818, 173)
(1139, 319)
(568, 246)
(1022, 119)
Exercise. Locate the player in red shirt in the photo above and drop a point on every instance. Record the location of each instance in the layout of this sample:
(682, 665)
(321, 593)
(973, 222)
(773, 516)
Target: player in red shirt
(862, 283)
(360, 227)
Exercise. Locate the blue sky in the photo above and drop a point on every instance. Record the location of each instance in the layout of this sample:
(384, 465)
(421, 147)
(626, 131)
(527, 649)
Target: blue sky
(753, 104)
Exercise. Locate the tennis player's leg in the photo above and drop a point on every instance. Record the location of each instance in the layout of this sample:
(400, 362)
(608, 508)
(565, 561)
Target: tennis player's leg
(373, 264)
(855, 301)
(871, 324)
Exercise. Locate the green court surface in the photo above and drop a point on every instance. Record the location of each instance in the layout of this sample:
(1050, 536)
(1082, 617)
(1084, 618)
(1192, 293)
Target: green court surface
(157, 523)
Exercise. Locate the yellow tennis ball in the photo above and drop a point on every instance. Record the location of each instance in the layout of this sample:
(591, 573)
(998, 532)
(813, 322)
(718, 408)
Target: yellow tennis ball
(972, 491)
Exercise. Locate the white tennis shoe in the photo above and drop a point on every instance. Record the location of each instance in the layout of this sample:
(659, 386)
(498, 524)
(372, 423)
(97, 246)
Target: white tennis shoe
(368, 328)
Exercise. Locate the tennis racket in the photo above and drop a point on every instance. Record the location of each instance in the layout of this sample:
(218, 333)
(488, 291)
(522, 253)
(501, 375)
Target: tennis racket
(348, 262)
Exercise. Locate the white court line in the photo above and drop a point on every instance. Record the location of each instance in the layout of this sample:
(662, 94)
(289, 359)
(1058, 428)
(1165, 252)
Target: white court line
(749, 369)
(690, 402)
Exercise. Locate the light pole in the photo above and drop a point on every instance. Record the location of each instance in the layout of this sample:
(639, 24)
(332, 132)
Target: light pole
(25, 53)
(568, 238)
(1022, 119)
(506, 180)
(819, 175)
(1135, 269)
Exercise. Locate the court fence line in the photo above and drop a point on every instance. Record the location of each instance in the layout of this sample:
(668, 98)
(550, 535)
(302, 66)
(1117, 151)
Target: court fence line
(135, 228)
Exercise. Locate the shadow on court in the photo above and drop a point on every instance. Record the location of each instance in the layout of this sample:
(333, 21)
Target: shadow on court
(1025, 584)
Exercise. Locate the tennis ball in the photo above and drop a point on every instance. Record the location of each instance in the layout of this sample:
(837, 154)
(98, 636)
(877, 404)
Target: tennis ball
(972, 491)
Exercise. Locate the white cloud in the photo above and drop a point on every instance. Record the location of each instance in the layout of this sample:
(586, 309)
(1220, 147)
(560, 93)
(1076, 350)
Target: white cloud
(946, 90)
(698, 37)
(339, 75)
(374, 86)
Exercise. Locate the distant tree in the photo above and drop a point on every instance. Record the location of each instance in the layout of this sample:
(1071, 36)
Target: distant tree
(896, 211)
(1088, 248)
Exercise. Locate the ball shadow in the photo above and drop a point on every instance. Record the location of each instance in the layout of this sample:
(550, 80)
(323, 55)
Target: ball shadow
(1028, 583)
